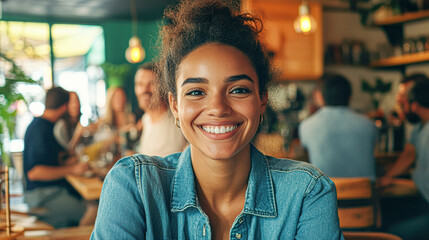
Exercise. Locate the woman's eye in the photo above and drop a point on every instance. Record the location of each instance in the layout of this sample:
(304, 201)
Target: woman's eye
(195, 93)
(240, 90)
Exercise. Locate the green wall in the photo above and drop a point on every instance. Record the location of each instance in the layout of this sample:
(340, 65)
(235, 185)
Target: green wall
(117, 34)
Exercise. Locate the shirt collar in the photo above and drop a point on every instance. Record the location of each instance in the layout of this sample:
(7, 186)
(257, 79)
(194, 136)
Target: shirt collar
(260, 199)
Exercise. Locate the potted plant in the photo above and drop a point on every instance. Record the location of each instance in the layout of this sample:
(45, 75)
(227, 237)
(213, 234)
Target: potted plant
(115, 74)
(8, 97)
(376, 92)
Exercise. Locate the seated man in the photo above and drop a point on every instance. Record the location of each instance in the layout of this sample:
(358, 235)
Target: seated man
(339, 141)
(160, 136)
(414, 224)
(45, 186)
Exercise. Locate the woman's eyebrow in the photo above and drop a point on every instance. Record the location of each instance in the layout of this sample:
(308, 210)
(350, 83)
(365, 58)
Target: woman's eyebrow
(239, 77)
(195, 80)
(228, 79)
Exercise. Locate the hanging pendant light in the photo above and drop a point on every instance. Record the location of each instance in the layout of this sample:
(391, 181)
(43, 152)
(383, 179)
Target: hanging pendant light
(304, 23)
(135, 52)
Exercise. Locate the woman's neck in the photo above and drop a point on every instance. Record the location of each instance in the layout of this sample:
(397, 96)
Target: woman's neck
(222, 180)
(221, 188)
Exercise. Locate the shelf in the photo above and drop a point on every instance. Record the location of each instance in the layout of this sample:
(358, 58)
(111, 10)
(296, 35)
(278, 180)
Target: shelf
(402, 60)
(406, 17)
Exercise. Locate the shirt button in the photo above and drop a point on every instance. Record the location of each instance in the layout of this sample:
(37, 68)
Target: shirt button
(238, 235)
(241, 220)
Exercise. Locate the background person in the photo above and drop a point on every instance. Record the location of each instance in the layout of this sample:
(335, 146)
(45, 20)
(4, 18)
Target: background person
(45, 186)
(64, 129)
(160, 136)
(216, 73)
(339, 141)
(410, 219)
(107, 131)
(117, 114)
(408, 155)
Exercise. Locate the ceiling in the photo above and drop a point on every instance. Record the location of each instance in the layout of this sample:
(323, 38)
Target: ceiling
(82, 10)
(98, 11)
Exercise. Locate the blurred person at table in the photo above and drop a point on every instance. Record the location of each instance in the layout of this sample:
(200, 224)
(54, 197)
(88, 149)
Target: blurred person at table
(117, 114)
(67, 129)
(45, 185)
(107, 130)
(402, 104)
(215, 72)
(339, 141)
(408, 155)
(160, 136)
(415, 223)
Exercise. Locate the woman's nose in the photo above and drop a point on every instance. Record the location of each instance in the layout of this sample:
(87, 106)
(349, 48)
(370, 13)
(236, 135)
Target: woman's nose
(218, 105)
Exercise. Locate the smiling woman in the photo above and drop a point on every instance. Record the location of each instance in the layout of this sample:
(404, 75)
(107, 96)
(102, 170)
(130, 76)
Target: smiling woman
(215, 73)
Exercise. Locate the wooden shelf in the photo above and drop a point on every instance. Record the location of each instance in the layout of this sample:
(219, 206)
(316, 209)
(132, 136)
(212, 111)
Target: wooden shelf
(406, 17)
(402, 60)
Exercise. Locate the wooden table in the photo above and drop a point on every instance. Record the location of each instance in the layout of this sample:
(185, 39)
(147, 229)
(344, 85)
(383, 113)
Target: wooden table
(88, 187)
(21, 223)
(400, 188)
(73, 233)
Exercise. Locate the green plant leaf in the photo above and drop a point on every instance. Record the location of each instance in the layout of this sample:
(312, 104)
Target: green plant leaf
(8, 97)
(366, 87)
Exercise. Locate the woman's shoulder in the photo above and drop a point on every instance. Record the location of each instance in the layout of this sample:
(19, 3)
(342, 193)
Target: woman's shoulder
(299, 175)
(293, 166)
(168, 163)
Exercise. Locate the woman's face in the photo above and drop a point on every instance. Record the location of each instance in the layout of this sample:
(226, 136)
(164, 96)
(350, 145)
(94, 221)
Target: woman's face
(218, 102)
(119, 100)
(74, 105)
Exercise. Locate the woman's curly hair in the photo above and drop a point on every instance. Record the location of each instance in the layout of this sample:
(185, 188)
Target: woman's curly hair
(194, 23)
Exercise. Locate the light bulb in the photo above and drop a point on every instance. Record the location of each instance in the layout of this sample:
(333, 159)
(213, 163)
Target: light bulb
(135, 52)
(304, 23)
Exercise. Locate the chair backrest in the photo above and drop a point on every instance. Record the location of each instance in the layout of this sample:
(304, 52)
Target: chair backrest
(356, 204)
(369, 236)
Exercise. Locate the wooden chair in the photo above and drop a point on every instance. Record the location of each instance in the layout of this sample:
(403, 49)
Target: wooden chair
(369, 236)
(356, 204)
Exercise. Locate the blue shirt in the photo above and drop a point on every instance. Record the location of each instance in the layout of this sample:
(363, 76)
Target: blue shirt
(41, 148)
(340, 142)
(147, 197)
(420, 140)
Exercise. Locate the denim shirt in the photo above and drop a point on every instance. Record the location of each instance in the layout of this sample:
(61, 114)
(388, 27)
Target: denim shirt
(146, 197)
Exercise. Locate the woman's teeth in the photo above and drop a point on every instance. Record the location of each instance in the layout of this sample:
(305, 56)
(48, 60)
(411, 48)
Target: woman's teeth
(219, 129)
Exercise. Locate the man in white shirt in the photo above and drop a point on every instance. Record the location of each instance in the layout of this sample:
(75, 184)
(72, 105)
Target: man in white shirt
(160, 136)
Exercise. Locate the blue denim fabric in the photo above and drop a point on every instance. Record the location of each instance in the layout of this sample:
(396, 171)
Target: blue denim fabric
(155, 198)
(340, 142)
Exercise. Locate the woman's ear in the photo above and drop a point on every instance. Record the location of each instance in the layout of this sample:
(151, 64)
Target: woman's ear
(264, 102)
(173, 104)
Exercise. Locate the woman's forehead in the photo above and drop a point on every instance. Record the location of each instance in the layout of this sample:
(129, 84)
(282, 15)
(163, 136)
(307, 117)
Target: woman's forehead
(215, 59)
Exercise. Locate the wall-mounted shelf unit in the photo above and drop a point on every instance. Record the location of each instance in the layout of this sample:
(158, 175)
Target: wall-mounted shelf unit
(404, 18)
(403, 60)
(393, 27)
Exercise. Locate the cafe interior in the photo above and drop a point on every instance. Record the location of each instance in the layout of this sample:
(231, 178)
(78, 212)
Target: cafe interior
(90, 46)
